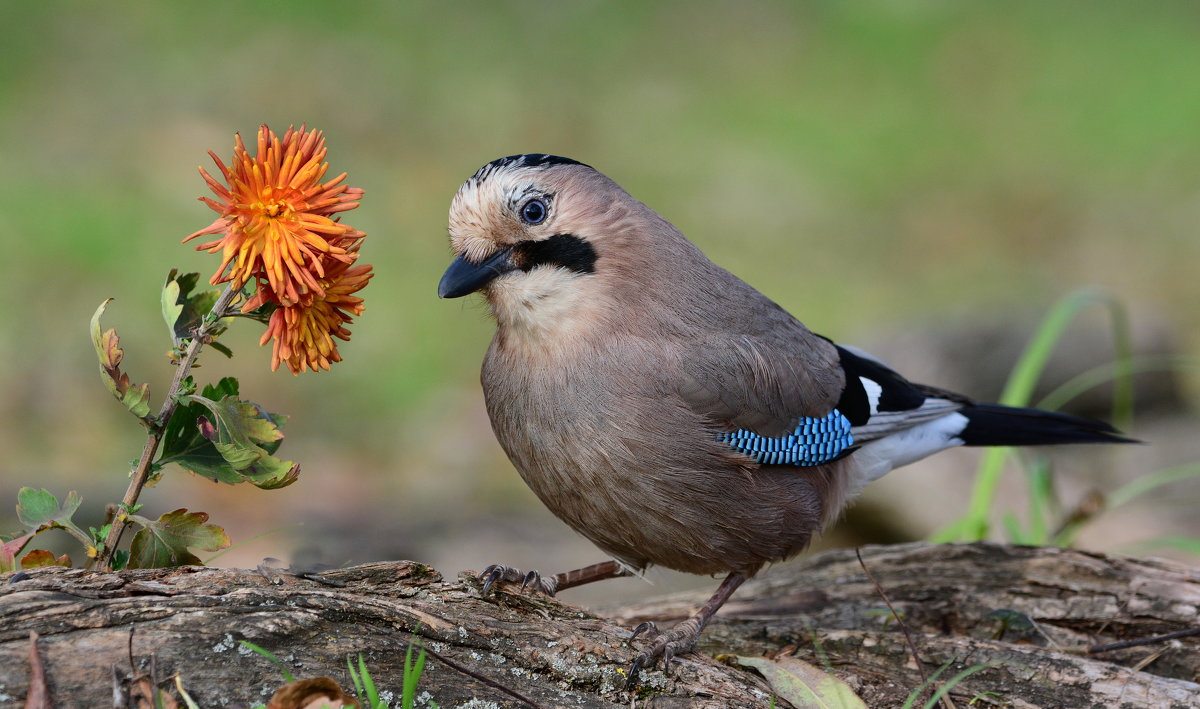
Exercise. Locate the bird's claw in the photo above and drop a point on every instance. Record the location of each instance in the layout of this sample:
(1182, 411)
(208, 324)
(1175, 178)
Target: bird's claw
(647, 627)
(499, 572)
(676, 641)
(492, 574)
(532, 578)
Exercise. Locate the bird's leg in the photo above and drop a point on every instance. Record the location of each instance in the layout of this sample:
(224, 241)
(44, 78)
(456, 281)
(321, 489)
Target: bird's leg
(682, 638)
(554, 584)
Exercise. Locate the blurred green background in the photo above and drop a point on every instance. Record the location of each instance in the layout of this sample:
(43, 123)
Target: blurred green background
(881, 169)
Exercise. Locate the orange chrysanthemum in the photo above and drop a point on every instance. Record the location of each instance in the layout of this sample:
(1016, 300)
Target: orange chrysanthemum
(304, 333)
(276, 216)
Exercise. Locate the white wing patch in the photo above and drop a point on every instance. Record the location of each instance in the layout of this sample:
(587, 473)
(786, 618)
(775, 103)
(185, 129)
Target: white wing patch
(874, 391)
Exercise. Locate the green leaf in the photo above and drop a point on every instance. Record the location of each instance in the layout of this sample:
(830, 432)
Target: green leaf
(40, 508)
(136, 398)
(245, 435)
(802, 684)
(184, 310)
(165, 542)
(36, 507)
(172, 308)
(223, 438)
(183, 443)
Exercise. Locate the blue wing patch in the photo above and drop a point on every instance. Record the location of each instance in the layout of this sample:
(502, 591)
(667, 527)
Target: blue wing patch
(815, 441)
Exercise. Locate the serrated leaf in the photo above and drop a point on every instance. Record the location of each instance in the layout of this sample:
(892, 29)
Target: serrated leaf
(9, 551)
(165, 541)
(183, 310)
(226, 439)
(136, 398)
(245, 436)
(36, 508)
(41, 557)
(184, 444)
(804, 685)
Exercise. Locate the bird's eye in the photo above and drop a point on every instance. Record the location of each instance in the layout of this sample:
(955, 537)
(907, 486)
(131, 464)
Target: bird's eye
(534, 211)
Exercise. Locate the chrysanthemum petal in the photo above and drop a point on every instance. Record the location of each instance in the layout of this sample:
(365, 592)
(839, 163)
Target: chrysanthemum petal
(276, 215)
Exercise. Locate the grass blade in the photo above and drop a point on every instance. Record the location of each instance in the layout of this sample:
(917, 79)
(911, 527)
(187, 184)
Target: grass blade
(916, 693)
(369, 685)
(974, 525)
(287, 676)
(1144, 484)
(358, 687)
(953, 682)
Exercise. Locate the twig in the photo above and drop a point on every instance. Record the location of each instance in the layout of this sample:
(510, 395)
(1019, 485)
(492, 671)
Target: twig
(39, 693)
(489, 682)
(141, 472)
(912, 646)
(1186, 632)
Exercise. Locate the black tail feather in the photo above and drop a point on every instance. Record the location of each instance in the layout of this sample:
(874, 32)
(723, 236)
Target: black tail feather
(996, 425)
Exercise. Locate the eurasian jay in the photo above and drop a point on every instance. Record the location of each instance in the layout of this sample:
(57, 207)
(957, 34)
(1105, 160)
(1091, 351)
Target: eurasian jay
(665, 409)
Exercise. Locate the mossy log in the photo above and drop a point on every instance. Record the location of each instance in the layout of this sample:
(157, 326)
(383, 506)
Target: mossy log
(1037, 618)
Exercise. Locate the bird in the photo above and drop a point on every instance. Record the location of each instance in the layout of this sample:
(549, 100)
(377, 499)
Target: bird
(665, 409)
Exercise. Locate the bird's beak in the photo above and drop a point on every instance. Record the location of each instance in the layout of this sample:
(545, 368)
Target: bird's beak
(464, 277)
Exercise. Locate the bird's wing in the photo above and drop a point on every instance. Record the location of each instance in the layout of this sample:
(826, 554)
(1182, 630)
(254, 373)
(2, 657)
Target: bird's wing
(765, 381)
(878, 402)
(797, 399)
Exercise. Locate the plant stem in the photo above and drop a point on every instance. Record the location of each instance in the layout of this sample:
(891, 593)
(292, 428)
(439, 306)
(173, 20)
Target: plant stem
(141, 472)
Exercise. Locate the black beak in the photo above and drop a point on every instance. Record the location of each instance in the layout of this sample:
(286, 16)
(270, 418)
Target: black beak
(464, 277)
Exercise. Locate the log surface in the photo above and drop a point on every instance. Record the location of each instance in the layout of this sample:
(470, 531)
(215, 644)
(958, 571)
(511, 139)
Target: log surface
(1028, 614)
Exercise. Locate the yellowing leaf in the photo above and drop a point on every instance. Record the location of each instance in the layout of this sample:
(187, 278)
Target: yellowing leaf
(145, 695)
(184, 310)
(136, 398)
(802, 684)
(41, 557)
(165, 541)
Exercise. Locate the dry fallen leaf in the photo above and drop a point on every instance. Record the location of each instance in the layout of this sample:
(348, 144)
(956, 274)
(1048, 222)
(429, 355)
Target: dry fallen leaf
(39, 693)
(311, 693)
(804, 685)
(146, 695)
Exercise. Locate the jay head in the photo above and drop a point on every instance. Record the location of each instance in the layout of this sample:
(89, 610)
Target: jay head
(665, 409)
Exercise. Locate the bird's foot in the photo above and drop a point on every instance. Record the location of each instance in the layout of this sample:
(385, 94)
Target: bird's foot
(507, 574)
(680, 639)
(676, 641)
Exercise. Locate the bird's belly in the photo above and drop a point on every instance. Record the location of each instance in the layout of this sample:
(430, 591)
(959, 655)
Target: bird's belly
(691, 505)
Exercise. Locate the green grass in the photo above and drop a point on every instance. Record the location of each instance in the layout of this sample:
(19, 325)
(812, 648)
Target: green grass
(360, 677)
(1042, 505)
(976, 523)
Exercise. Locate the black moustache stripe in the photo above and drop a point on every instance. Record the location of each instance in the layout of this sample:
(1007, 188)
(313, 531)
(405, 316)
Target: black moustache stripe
(565, 250)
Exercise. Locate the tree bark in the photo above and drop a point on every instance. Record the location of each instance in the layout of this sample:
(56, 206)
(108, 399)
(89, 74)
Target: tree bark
(1029, 615)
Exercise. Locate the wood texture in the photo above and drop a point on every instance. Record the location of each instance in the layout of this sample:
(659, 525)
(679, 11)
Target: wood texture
(1059, 603)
